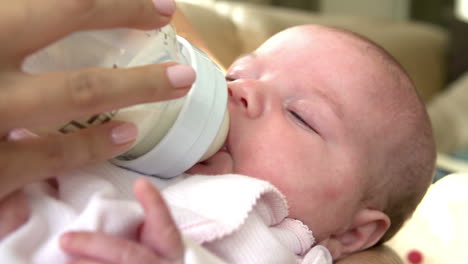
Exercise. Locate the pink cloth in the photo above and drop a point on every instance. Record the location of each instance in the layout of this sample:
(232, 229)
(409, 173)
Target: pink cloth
(237, 218)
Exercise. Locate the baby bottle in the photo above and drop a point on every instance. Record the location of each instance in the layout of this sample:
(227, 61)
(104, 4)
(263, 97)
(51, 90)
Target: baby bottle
(173, 135)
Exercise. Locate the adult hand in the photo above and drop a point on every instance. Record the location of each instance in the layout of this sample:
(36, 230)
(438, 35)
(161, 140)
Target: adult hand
(159, 241)
(28, 101)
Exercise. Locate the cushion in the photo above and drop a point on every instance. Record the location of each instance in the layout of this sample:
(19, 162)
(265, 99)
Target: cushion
(438, 228)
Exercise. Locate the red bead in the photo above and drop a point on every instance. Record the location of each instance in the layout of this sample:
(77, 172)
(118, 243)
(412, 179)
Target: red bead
(415, 257)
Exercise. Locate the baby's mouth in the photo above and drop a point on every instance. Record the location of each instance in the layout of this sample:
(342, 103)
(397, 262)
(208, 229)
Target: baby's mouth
(220, 163)
(224, 148)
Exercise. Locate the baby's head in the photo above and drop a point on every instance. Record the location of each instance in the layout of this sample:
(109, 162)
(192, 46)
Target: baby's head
(335, 123)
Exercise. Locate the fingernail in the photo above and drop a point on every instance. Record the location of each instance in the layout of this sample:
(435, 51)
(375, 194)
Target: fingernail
(19, 134)
(124, 133)
(165, 7)
(181, 75)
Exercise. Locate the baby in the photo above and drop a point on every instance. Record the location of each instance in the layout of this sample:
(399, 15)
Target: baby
(336, 125)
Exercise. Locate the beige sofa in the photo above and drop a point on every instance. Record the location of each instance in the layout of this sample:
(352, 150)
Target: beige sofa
(230, 29)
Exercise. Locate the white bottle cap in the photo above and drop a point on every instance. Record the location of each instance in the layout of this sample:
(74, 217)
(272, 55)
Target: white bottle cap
(197, 125)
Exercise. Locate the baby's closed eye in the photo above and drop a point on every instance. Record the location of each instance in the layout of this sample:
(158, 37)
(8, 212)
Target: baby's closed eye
(301, 120)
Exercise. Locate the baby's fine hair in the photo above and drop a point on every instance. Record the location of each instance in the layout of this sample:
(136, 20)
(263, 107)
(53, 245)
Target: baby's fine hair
(407, 170)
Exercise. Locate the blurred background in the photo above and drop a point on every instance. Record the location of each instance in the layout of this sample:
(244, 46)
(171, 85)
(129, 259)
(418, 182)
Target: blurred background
(434, 11)
(437, 12)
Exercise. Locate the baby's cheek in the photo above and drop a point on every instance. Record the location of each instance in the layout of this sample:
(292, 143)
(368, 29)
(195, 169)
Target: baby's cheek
(331, 192)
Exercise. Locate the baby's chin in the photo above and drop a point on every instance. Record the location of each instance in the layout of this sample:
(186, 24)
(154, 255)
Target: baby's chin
(220, 163)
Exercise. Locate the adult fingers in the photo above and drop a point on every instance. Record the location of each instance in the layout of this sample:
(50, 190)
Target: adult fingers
(102, 247)
(83, 261)
(38, 100)
(35, 24)
(55, 154)
(14, 212)
(159, 230)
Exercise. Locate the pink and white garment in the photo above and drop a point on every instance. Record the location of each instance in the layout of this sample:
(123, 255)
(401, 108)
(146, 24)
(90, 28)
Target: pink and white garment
(224, 218)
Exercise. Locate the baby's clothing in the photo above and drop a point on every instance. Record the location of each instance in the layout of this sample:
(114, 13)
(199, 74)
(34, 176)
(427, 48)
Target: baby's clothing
(238, 219)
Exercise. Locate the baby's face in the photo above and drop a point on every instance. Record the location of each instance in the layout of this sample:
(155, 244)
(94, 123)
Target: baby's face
(301, 119)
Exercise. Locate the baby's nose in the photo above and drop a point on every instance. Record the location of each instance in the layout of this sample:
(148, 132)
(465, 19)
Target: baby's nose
(241, 99)
(246, 96)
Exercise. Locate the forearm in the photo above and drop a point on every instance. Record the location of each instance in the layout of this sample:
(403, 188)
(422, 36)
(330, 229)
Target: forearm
(378, 255)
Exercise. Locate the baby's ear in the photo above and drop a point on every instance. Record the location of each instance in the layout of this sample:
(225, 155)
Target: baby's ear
(366, 229)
